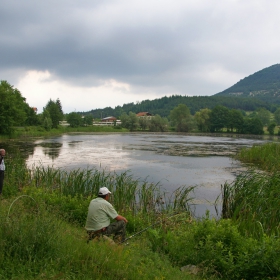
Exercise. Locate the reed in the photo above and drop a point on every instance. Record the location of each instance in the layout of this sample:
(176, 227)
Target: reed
(252, 201)
(63, 189)
(266, 157)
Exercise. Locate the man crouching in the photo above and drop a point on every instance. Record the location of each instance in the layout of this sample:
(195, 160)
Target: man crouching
(100, 211)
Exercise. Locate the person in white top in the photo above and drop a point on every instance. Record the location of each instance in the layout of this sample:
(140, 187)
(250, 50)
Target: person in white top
(2, 169)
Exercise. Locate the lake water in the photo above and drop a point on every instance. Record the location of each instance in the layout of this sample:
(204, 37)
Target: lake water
(168, 159)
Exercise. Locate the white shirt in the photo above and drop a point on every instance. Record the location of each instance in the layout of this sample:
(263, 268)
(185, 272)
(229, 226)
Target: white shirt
(2, 165)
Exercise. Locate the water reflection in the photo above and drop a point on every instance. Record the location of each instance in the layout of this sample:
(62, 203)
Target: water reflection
(24, 149)
(51, 149)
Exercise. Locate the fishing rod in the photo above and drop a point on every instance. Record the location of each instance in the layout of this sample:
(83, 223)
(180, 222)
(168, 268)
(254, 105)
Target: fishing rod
(139, 232)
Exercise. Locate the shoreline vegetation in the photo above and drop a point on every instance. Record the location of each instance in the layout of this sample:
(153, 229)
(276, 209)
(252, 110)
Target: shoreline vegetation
(43, 212)
(34, 132)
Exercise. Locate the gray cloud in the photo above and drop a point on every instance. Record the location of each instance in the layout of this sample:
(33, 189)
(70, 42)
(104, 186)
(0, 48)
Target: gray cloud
(185, 47)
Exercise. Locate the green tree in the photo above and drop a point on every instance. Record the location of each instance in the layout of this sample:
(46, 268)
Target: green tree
(143, 122)
(235, 120)
(202, 119)
(277, 116)
(87, 120)
(182, 119)
(264, 115)
(125, 120)
(157, 123)
(130, 121)
(253, 126)
(133, 121)
(271, 128)
(13, 108)
(55, 112)
(74, 119)
(32, 117)
(58, 103)
(219, 118)
(46, 120)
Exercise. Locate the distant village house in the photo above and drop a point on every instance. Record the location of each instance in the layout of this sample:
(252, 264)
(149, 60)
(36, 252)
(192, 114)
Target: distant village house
(34, 109)
(108, 121)
(146, 115)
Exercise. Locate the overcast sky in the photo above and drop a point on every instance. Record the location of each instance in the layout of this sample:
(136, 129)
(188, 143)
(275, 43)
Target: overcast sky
(94, 54)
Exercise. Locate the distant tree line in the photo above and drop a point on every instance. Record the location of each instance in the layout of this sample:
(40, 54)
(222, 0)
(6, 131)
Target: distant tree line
(219, 119)
(14, 111)
(164, 105)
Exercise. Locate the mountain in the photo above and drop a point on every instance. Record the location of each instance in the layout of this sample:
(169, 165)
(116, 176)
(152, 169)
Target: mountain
(259, 90)
(264, 85)
(164, 105)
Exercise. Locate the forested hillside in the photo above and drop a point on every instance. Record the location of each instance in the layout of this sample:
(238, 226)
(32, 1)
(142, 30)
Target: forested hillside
(259, 90)
(164, 105)
(264, 85)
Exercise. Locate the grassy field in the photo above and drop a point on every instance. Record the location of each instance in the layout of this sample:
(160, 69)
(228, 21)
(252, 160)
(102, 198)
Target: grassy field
(42, 235)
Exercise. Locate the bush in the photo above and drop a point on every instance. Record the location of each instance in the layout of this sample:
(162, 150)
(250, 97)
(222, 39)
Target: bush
(218, 248)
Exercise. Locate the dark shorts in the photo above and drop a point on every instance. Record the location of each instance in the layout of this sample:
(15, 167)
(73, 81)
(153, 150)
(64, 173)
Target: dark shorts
(117, 229)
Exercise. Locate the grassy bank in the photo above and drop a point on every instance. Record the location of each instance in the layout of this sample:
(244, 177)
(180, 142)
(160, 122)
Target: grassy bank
(265, 157)
(252, 200)
(34, 131)
(43, 212)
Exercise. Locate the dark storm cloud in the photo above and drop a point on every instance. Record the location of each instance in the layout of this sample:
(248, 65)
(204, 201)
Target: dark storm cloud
(179, 46)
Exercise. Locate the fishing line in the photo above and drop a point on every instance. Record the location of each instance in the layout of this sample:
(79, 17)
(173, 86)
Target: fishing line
(139, 232)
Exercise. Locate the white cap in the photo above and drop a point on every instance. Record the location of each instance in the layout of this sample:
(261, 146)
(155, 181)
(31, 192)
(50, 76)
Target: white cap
(103, 191)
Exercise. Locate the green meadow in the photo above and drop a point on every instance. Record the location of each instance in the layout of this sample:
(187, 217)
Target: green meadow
(43, 211)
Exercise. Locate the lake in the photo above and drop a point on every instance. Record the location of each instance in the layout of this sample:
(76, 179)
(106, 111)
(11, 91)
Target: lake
(172, 160)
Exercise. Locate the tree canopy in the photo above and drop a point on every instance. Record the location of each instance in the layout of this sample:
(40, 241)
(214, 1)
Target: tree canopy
(14, 111)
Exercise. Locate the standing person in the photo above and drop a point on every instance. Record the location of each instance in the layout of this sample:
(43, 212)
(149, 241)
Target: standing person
(2, 169)
(100, 211)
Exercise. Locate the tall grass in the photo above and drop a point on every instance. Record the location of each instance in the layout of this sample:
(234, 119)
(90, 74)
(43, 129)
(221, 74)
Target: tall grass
(38, 245)
(252, 200)
(71, 191)
(266, 157)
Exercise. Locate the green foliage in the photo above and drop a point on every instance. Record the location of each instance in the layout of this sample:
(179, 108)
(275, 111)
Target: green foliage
(235, 121)
(219, 118)
(164, 105)
(157, 123)
(181, 118)
(264, 115)
(74, 119)
(130, 121)
(13, 108)
(202, 119)
(72, 208)
(271, 128)
(55, 112)
(36, 244)
(17, 175)
(87, 120)
(277, 116)
(217, 248)
(143, 123)
(264, 156)
(252, 201)
(252, 126)
(46, 120)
